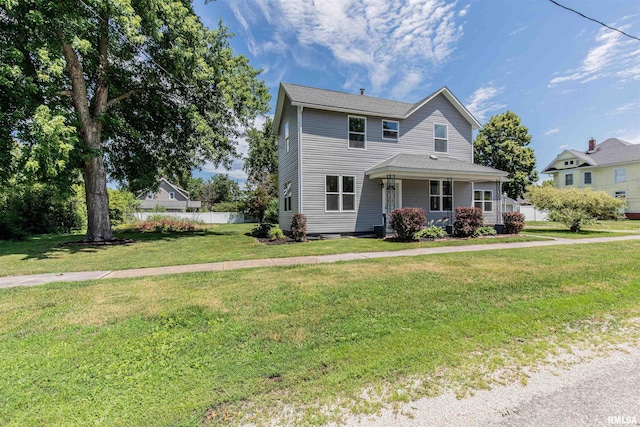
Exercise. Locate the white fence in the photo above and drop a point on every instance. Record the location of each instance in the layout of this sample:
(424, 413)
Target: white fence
(205, 217)
(532, 214)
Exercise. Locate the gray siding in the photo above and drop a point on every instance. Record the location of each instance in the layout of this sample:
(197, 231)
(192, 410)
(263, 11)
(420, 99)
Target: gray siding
(492, 217)
(325, 151)
(288, 164)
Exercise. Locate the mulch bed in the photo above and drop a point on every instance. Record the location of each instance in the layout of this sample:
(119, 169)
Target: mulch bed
(285, 241)
(113, 242)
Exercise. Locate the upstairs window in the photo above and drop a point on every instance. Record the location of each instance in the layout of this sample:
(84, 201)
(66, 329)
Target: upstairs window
(286, 195)
(357, 132)
(568, 179)
(390, 129)
(620, 194)
(340, 193)
(568, 162)
(286, 136)
(440, 196)
(149, 195)
(483, 200)
(587, 178)
(172, 195)
(440, 133)
(620, 175)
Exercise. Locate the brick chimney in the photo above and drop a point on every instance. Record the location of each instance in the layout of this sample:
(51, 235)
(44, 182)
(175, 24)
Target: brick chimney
(592, 144)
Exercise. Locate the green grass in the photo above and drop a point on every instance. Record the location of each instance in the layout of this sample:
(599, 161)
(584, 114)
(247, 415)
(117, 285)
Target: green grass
(566, 234)
(599, 229)
(225, 242)
(625, 225)
(234, 346)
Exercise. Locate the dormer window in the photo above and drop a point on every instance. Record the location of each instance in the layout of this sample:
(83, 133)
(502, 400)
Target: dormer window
(357, 132)
(568, 162)
(390, 130)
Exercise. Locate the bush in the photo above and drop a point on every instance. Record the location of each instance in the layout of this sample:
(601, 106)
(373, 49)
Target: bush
(433, 230)
(406, 222)
(262, 230)
(122, 205)
(513, 222)
(271, 215)
(575, 207)
(299, 227)
(166, 225)
(227, 207)
(487, 230)
(467, 221)
(276, 233)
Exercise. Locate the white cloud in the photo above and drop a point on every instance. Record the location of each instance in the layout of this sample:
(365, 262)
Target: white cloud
(395, 43)
(481, 102)
(623, 108)
(612, 55)
(519, 29)
(564, 147)
(463, 12)
(552, 131)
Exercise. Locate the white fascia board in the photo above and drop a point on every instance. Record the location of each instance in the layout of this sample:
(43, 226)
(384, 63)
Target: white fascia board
(434, 174)
(346, 110)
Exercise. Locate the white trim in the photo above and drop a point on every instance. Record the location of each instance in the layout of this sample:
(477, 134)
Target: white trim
(620, 194)
(441, 196)
(565, 180)
(446, 126)
(340, 193)
(584, 175)
(397, 131)
(286, 136)
(483, 201)
(172, 195)
(300, 159)
(624, 175)
(349, 132)
(398, 194)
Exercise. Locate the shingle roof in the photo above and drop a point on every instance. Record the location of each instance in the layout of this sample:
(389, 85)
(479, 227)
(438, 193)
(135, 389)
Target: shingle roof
(324, 99)
(417, 162)
(611, 151)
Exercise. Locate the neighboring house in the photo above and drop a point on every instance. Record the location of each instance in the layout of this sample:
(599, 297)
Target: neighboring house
(346, 160)
(613, 166)
(170, 197)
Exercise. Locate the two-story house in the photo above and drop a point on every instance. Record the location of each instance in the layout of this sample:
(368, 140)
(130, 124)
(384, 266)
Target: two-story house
(345, 160)
(168, 196)
(613, 166)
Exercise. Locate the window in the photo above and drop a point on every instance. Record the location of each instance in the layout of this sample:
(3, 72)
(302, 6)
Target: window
(172, 195)
(286, 195)
(390, 129)
(568, 162)
(568, 179)
(357, 132)
(440, 138)
(483, 200)
(620, 175)
(440, 196)
(340, 193)
(620, 194)
(587, 178)
(149, 195)
(286, 136)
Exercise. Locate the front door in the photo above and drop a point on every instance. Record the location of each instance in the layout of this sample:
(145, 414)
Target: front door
(391, 197)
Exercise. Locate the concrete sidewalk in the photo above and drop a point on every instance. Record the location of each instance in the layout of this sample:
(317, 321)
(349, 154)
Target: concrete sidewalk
(39, 279)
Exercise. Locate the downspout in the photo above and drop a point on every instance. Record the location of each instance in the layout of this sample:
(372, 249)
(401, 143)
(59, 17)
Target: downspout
(300, 159)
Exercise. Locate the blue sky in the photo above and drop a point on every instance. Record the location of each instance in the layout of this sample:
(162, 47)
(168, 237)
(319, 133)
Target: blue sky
(568, 78)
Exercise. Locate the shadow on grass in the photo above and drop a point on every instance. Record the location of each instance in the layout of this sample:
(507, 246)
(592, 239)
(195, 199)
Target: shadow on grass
(566, 233)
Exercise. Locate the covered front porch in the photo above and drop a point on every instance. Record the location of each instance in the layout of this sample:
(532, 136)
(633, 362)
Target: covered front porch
(438, 184)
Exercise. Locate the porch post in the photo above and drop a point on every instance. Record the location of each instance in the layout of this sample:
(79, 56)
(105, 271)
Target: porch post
(453, 202)
(499, 210)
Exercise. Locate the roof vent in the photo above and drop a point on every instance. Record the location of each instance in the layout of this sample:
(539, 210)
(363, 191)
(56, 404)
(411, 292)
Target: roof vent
(433, 156)
(361, 91)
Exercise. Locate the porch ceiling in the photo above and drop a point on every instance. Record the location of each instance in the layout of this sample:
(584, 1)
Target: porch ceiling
(422, 166)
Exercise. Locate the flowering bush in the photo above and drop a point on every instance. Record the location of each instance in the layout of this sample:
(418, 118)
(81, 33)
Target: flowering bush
(167, 225)
(406, 222)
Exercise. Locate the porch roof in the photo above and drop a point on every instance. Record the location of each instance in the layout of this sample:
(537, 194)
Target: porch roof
(412, 166)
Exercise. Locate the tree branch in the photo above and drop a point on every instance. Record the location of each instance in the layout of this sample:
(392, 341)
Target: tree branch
(102, 85)
(78, 85)
(121, 97)
(65, 93)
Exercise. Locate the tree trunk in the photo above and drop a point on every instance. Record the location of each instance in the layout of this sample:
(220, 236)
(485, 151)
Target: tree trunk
(97, 197)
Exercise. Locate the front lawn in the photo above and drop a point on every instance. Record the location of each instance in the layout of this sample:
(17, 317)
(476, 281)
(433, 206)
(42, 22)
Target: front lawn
(223, 242)
(625, 225)
(224, 347)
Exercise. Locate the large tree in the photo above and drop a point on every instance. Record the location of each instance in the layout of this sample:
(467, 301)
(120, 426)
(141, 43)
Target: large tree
(261, 164)
(502, 144)
(146, 86)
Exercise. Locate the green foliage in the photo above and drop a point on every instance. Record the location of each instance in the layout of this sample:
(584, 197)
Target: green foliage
(122, 205)
(262, 230)
(165, 224)
(271, 215)
(406, 222)
(433, 230)
(467, 221)
(575, 207)
(227, 207)
(276, 233)
(261, 163)
(299, 227)
(218, 189)
(257, 202)
(502, 143)
(513, 222)
(486, 230)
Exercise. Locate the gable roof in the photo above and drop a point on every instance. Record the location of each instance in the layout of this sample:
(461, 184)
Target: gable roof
(182, 191)
(611, 151)
(323, 99)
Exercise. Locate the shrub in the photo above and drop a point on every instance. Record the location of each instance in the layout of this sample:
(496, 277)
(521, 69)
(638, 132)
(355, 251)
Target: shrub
(166, 225)
(486, 230)
(406, 222)
(467, 221)
(227, 207)
(575, 207)
(122, 204)
(299, 227)
(271, 215)
(433, 230)
(262, 230)
(513, 222)
(276, 233)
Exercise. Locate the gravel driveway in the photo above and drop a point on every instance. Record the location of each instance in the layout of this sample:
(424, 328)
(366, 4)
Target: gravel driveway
(602, 391)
